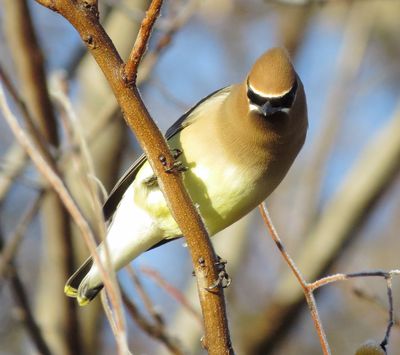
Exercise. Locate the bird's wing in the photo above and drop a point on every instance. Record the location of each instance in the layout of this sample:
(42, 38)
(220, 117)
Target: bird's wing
(190, 116)
(115, 196)
(123, 183)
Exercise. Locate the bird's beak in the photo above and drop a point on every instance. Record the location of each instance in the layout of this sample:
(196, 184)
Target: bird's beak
(268, 110)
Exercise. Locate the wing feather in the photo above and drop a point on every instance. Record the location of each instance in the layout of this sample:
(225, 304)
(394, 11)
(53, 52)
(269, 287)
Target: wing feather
(123, 183)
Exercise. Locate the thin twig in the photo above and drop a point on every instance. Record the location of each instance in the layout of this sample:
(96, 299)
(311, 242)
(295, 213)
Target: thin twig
(372, 298)
(81, 155)
(157, 316)
(341, 277)
(387, 275)
(309, 288)
(13, 164)
(85, 168)
(172, 291)
(22, 300)
(308, 292)
(13, 242)
(157, 331)
(180, 19)
(275, 237)
(26, 115)
(111, 320)
(391, 312)
(48, 173)
(142, 39)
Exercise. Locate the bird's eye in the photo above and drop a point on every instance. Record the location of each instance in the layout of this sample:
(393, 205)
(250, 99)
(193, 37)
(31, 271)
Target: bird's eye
(254, 98)
(283, 102)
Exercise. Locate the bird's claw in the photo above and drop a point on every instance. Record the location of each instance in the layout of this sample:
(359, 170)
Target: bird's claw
(177, 166)
(150, 181)
(176, 153)
(223, 279)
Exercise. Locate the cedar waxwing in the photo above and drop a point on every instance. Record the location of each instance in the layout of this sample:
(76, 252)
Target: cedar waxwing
(236, 145)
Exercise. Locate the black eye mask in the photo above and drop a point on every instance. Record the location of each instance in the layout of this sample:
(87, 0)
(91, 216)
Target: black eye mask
(285, 101)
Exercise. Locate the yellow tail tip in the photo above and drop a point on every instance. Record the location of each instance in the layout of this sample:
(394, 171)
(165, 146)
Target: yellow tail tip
(70, 291)
(83, 301)
(73, 292)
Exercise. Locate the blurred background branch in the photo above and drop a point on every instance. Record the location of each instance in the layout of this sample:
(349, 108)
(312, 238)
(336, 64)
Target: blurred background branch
(62, 332)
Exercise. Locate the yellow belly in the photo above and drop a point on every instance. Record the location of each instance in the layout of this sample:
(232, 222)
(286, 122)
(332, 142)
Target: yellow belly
(221, 191)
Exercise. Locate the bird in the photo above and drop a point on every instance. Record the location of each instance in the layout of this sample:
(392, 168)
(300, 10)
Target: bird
(234, 147)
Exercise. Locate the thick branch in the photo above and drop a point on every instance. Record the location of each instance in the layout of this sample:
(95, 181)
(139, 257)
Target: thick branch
(160, 158)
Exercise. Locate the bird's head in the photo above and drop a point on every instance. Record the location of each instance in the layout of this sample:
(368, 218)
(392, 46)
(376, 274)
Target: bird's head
(272, 83)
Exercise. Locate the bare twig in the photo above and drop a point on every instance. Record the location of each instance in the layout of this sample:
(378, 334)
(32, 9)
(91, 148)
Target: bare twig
(174, 24)
(374, 299)
(156, 315)
(122, 348)
(58, 185)
(308, 291)
(309, 288)
(385, 340)
(387, 275)
(157, 331)
(27, 315)
(26, 115)
(12, 165)
(172, 291)
(83, 159)
(13, 242)
(217, 339)
(142, 40)
(21, 299)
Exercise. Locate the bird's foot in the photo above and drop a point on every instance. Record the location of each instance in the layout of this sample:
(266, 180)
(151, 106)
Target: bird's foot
(176, 153)
(150, 181)
(177, 167)
(223, 279)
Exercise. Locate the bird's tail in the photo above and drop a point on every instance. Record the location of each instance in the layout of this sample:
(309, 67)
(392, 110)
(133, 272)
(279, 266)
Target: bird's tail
(76, 287)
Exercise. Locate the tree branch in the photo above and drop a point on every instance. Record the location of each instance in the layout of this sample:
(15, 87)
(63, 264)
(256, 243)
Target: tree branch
(156, 331)
(217, 339)
(307, 288)
(142, 39)
(11, 247)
